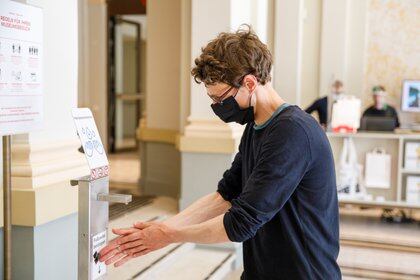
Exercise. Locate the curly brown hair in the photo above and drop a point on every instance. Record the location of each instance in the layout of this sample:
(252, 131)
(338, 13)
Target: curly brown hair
(232, 56)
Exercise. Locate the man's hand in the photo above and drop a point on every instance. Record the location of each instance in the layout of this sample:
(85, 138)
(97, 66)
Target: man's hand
(142, 239)
(112, 252)
(202, 222)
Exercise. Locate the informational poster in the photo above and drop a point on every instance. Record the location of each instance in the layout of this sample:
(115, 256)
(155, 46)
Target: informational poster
(97, 268)
(21, 89)
(91, 142)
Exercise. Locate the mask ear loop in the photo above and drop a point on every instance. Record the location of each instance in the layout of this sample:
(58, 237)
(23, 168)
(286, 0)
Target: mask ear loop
(250, 98)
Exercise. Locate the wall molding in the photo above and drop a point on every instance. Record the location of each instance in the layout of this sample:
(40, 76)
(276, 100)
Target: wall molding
(157, 135)
(34, 207)
(200, 136)
(42, 205)
(43, 164)
(210, 136)
(41, 174)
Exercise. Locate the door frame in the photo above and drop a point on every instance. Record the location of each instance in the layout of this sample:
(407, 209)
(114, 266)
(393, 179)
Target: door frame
(113, 21)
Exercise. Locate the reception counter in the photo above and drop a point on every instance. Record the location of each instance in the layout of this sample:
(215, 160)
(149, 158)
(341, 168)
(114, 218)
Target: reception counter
(394, 144)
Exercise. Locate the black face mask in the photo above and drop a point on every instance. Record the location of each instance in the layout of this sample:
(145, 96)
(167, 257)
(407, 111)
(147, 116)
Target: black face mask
(229, 111)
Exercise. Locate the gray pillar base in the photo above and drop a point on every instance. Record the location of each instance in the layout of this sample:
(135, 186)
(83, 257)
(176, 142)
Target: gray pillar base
(200, 174)
(160, 169)
(48, 251)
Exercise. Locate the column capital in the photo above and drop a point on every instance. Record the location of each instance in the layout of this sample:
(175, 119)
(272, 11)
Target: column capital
(159, 135)
(37, 165)
(210, 136)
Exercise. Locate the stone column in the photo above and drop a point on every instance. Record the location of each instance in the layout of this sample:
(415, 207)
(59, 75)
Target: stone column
(159, 127)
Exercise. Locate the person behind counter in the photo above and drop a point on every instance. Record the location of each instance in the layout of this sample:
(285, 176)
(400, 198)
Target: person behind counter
(380, 108)
(321, 105)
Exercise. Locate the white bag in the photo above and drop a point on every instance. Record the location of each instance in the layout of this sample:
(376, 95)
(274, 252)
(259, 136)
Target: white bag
(346, 114)
(378, 169)
(349, 172)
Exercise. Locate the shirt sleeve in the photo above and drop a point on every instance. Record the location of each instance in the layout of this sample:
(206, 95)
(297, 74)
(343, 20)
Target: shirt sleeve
(281, 166)
(230, 186)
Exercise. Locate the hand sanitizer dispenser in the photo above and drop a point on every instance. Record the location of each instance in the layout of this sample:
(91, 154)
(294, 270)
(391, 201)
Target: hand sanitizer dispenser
(94, 198)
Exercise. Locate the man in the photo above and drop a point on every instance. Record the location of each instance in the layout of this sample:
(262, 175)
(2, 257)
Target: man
(321, 105)
(380, 108)
(278, 197)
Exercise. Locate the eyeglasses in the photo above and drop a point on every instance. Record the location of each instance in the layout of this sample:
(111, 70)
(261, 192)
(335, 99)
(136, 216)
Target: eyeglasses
(219, 99)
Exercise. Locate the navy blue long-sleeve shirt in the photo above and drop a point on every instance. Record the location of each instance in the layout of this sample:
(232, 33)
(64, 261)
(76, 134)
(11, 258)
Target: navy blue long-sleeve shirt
(284, 202)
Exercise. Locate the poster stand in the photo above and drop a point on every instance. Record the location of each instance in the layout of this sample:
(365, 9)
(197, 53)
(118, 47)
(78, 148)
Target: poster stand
(21, 92)
(7, 208)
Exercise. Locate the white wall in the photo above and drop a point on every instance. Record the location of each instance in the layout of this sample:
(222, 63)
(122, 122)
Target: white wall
(333, 42)
(60, 69)
(288, 35)
(317, 42)
(253, 12)
(343, 44)
(310, 51)
(356, 47)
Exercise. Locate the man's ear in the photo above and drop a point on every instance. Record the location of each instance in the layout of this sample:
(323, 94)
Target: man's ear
(250, 82)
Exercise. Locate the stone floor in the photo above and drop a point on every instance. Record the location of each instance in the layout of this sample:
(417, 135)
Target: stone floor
(362, 233)
(366, 258)
(125, 172)
(124, 167)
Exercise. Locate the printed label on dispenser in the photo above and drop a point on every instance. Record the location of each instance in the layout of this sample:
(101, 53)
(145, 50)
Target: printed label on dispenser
(97, 268)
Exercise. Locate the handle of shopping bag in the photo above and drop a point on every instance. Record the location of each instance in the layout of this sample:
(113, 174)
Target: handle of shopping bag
(379, 150)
